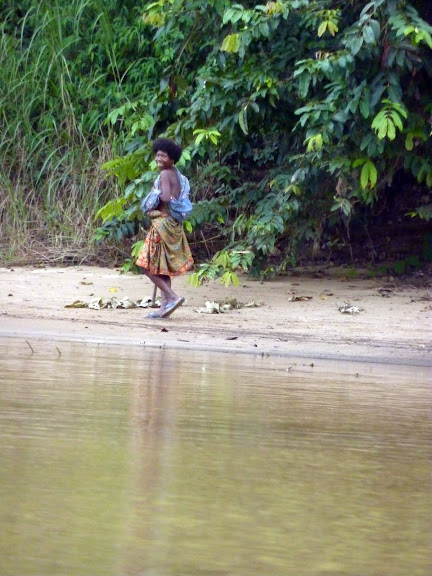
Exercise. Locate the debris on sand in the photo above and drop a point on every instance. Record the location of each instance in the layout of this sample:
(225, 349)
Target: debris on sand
(225, 306)
(348, 308)
(113, 303)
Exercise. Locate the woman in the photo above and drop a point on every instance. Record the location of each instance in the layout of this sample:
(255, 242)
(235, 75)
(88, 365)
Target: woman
(166, 252)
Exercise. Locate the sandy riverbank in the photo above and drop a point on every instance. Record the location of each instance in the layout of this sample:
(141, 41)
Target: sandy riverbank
(297, 316)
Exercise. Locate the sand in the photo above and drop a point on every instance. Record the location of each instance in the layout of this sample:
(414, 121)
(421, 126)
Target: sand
(296, 316)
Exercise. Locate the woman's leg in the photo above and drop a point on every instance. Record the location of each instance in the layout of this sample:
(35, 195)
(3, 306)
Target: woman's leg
(164, 299)
(164, 285)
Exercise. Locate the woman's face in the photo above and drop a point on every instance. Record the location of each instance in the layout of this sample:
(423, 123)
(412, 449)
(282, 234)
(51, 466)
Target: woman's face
(163, 161)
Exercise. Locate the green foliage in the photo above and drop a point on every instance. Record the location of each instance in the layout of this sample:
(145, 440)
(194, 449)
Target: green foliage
(369, 174)
(295, 116)
(224, 265)
(202, 133)
(129, 264)
(388, 119)
(330, 19)
(256, 90)
(351, 273)
(422, 212)
(398, 267)
(64, 66)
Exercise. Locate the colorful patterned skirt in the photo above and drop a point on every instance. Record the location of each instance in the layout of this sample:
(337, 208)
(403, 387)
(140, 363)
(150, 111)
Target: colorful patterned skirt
(166, 250)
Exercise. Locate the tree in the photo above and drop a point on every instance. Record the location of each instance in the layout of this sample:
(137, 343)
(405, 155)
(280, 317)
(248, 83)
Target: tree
(316, 106)
(299, 118)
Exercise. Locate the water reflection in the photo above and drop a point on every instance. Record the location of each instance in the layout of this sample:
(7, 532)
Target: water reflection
(118, 461)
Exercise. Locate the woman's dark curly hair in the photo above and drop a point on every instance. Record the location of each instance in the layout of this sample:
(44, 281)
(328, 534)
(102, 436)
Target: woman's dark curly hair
(170, 147)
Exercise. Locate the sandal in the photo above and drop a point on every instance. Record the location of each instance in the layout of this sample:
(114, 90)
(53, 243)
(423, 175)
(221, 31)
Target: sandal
(153, 315)
(169, 308)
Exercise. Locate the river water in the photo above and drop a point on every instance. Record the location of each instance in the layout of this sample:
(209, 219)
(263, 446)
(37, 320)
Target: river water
(120, 461)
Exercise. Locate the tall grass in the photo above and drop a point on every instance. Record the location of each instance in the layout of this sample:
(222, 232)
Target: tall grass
(64, 70)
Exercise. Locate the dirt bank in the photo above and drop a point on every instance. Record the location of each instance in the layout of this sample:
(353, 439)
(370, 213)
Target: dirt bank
(297, 316)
